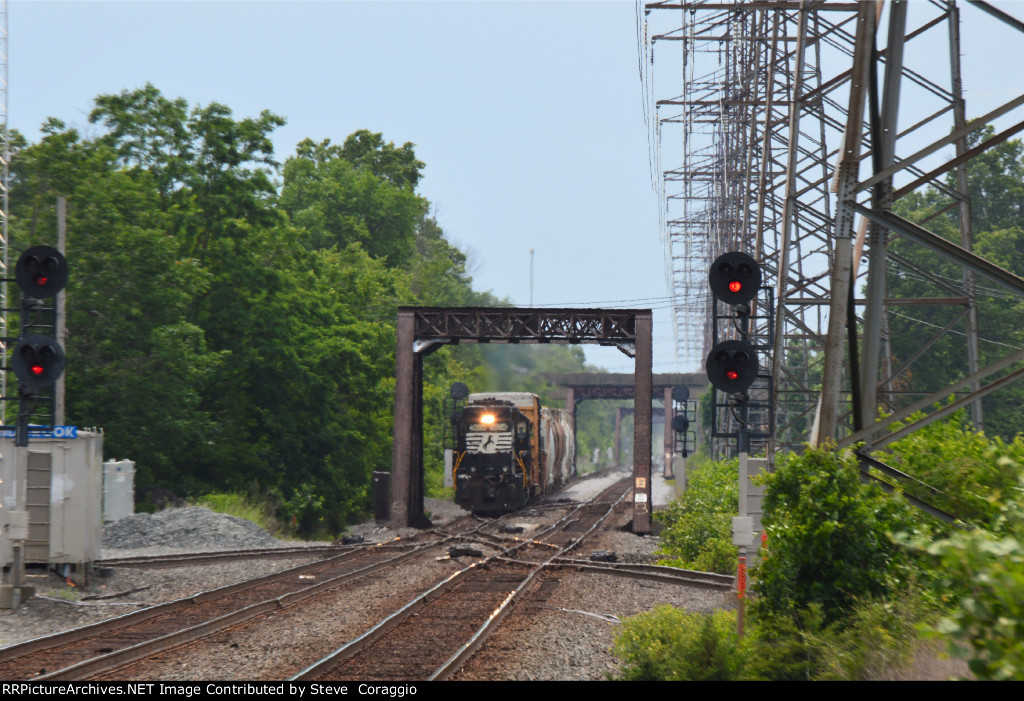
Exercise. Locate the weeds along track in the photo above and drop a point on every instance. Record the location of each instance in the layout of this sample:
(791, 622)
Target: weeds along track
(436, 632)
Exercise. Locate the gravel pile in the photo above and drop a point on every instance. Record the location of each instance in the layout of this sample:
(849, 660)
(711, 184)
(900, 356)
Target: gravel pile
(191, 527)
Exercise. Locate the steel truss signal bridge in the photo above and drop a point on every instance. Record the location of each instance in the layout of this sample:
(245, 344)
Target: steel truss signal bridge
(790, 130)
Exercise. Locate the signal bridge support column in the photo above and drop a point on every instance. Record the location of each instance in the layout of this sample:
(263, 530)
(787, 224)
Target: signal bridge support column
(421, 330)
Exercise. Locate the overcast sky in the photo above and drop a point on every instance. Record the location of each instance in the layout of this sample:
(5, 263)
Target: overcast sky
(528, 115)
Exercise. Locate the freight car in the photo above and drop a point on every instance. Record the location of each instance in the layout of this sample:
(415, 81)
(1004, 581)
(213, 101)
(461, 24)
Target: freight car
(510, 451)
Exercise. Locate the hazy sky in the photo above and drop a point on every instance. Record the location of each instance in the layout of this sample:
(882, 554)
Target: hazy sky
(528, 115)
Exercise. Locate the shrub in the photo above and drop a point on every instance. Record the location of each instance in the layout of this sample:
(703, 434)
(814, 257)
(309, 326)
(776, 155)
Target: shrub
(698, 525)
(785, 648)
(828, 537)
(986, 570)
(675, 645)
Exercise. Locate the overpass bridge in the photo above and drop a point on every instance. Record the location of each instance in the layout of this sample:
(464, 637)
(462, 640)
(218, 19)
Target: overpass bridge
(580, 387)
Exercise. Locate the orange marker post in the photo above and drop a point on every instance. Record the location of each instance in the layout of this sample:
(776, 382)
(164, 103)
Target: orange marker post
(741, 593)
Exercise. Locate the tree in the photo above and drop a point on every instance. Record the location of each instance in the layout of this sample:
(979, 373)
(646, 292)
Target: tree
(336, 202)
(226, 336)
(996, 189)
(136, 365)
(212, 171)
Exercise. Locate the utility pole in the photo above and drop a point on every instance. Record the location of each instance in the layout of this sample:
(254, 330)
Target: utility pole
(59, 323)
(531, 278)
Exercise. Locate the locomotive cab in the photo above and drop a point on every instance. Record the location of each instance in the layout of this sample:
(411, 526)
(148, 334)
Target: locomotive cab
(492, 461)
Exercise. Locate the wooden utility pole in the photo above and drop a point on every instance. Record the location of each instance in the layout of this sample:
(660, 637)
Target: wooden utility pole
(59, 325)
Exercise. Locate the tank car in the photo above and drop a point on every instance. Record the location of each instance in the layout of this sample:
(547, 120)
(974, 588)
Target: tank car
(510, 451)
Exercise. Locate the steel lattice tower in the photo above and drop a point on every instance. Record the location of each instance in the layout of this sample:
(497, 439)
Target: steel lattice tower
(5, 159)
(787, 129)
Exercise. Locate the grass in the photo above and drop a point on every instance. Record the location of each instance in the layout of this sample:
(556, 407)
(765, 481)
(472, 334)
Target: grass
(66, 593)
(262, 514)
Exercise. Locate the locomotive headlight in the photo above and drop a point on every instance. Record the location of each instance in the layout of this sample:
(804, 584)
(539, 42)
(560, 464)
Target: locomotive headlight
(487, 418)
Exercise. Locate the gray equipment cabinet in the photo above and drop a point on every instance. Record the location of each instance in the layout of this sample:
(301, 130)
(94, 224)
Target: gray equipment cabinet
(59, 482)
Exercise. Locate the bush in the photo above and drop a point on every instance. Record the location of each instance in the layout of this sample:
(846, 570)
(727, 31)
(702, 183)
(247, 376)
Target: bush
(698, 525)
(675, 645)
(785, 648)
(985, 569)
(828, 537)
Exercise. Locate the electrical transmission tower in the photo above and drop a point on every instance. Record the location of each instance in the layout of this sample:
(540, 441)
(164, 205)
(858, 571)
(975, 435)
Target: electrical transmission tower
(789, 129)
(5, 157)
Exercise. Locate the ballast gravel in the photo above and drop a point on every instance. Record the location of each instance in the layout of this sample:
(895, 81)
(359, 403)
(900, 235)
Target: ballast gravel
(566, 637)
(195, 525)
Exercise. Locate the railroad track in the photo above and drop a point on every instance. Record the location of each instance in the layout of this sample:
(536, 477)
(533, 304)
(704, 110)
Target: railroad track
(210, 558)
(433, 635)
(93, 650)
(214, 557)
(481, 594)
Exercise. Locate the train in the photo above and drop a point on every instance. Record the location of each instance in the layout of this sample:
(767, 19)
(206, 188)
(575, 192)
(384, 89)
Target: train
(510, 451)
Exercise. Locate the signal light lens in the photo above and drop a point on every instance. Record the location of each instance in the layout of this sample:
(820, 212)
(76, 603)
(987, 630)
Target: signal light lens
(732, 366)
(38, 362)
(41, 272)
(734, 278)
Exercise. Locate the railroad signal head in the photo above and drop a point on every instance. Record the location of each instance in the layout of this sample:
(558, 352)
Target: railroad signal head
(732, 366)
(41, 272)
(735, 278)
(680, 424)
(38, 361)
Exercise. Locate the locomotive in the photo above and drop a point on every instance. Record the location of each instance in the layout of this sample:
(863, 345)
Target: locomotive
(510, 451)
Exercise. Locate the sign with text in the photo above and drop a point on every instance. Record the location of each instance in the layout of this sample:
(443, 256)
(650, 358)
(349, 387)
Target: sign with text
(43, 432)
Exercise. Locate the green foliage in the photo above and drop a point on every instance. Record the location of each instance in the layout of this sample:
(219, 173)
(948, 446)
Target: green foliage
(674, 645)
(698, 525)
(262, 513)
(786, 647)
(228, 337)
(995, 182)
(828, 537)
(972, 471)
(985, 570)
(231, 322)
(337, 202)
(878, 638)
(876, 641)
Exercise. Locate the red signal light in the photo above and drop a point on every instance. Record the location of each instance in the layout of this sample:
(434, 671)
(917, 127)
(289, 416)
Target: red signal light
(37, 369)
(41, 280)
(731, 374)
(735, 285)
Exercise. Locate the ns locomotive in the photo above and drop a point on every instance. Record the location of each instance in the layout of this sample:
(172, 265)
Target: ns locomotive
(510, 451)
